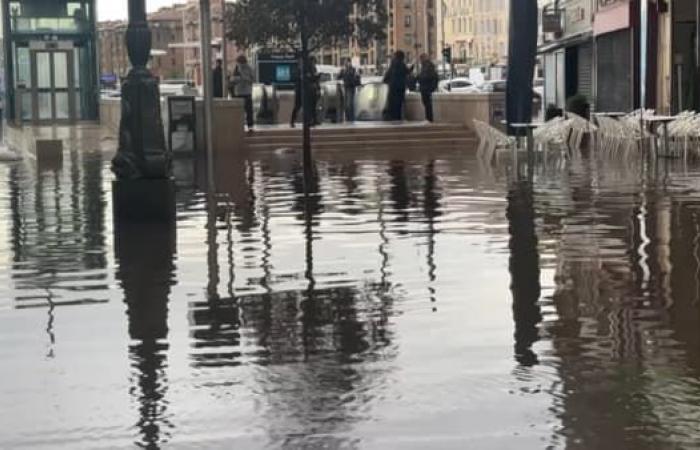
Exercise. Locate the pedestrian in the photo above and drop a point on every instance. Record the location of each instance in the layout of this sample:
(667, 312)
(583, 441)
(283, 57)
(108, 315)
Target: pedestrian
(218, 79)
(351, 81)
(427, 83)
(243, 79)
(311, 92)
(396, 77)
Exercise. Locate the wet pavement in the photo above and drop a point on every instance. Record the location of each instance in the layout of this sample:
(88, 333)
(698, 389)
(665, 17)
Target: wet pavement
(428, 302)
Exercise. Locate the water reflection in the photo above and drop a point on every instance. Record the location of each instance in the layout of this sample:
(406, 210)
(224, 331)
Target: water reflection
(58, 241)
(145, 253)
(272, 320)
(525, 270)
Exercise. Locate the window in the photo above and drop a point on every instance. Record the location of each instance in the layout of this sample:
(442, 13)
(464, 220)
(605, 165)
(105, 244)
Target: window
(407, 21)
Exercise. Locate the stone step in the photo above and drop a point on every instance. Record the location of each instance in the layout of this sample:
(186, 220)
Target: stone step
(443, 142)
(360, 130)
(368, 138)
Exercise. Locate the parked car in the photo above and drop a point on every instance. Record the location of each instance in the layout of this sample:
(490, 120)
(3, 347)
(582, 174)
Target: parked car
(500, 86)
(493, 86)
(177, 87)
(110, 93)
(461, 85)
(369, 79)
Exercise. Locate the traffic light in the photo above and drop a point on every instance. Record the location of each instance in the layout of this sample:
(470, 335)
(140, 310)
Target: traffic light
(447, 54)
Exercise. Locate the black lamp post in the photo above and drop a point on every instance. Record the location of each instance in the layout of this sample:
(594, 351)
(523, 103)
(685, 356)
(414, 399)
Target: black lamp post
(142, 152)
(522, 53)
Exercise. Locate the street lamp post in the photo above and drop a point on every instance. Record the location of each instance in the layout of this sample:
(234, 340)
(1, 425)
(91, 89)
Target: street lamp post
(142, 153)
(205, 27)
(224, 48)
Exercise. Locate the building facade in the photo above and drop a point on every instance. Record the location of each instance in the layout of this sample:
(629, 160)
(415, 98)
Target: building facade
(412, 27)
(567, 55)
(166, 62)
(476, 31)
(176, 43)
(50, 60)
(190, 44)
(619, 56)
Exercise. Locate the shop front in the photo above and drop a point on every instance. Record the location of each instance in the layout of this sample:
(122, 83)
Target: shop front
(615, 56)
(685, 74)
(50, 61)
(568, 56)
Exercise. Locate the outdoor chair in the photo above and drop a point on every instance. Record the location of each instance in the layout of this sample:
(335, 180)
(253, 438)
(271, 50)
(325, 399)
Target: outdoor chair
(491, 141)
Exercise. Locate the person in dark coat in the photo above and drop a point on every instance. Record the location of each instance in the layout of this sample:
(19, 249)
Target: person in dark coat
(396, 77)
(312, 92)
(351, 81)
(218, 75)
(428, 83)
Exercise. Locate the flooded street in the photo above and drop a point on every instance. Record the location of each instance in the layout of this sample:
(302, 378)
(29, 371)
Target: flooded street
(429, 303)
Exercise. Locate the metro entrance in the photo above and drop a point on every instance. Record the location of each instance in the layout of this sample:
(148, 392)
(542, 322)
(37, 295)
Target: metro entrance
(50, 61)
(53, 87)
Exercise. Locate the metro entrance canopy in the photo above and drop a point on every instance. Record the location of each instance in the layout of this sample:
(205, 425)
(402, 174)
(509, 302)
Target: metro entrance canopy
(50, 60)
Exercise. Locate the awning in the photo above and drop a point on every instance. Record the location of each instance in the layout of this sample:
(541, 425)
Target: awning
(568, 41)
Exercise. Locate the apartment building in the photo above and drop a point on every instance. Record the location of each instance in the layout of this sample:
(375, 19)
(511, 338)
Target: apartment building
(476, 30)
(166, 62)
(412, 28)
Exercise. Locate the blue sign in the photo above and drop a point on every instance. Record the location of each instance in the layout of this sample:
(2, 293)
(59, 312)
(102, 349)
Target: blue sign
(283, 73)
(108, 78)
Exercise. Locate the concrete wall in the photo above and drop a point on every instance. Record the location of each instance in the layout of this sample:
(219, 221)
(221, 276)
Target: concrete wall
(453, 108)
(228, 120)
(459, 109)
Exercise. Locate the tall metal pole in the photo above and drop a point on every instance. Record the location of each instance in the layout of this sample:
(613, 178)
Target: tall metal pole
(697, 51)
(643, 56)
(205, 37)
(442, 50)
(224, 48)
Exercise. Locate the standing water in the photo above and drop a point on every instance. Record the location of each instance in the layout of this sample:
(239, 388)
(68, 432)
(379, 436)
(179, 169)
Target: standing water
(426, 302)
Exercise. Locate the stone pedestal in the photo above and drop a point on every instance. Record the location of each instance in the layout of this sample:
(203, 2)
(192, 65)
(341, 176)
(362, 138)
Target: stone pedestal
(144, 201)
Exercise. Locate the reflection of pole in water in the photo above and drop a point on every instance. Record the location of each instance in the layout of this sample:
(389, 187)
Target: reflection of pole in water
(431, 207)
(145, 254)
(525, 270)
(212, 250)
(384, 268)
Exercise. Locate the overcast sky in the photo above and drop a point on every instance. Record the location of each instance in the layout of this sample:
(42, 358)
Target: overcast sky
(117, 9)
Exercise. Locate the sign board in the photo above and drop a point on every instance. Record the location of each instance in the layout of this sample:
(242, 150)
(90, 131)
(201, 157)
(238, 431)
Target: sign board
(182, 124)
(551, 22)
(277, 68)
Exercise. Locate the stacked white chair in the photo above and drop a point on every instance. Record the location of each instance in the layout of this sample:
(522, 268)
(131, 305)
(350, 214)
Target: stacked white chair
(491, 141)
(579, 128)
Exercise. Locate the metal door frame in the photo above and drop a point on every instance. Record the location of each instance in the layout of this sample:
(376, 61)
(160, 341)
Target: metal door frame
(36, 90)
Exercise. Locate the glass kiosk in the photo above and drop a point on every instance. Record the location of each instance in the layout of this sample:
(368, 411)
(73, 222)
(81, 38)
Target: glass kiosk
(50, 61)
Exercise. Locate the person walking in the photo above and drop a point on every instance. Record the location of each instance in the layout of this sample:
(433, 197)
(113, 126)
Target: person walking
(427, 83)
(396, 77)
(218, 75)
(243, 79)
(311, 91)
(351, 81)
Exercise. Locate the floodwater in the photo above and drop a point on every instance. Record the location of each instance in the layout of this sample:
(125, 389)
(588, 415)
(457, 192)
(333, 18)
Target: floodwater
(427, 303)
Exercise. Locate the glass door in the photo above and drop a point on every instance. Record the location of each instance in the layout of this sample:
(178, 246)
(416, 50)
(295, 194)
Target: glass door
(53, 99)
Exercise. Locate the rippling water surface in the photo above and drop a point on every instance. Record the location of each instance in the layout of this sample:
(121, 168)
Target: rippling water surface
(427, 303)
